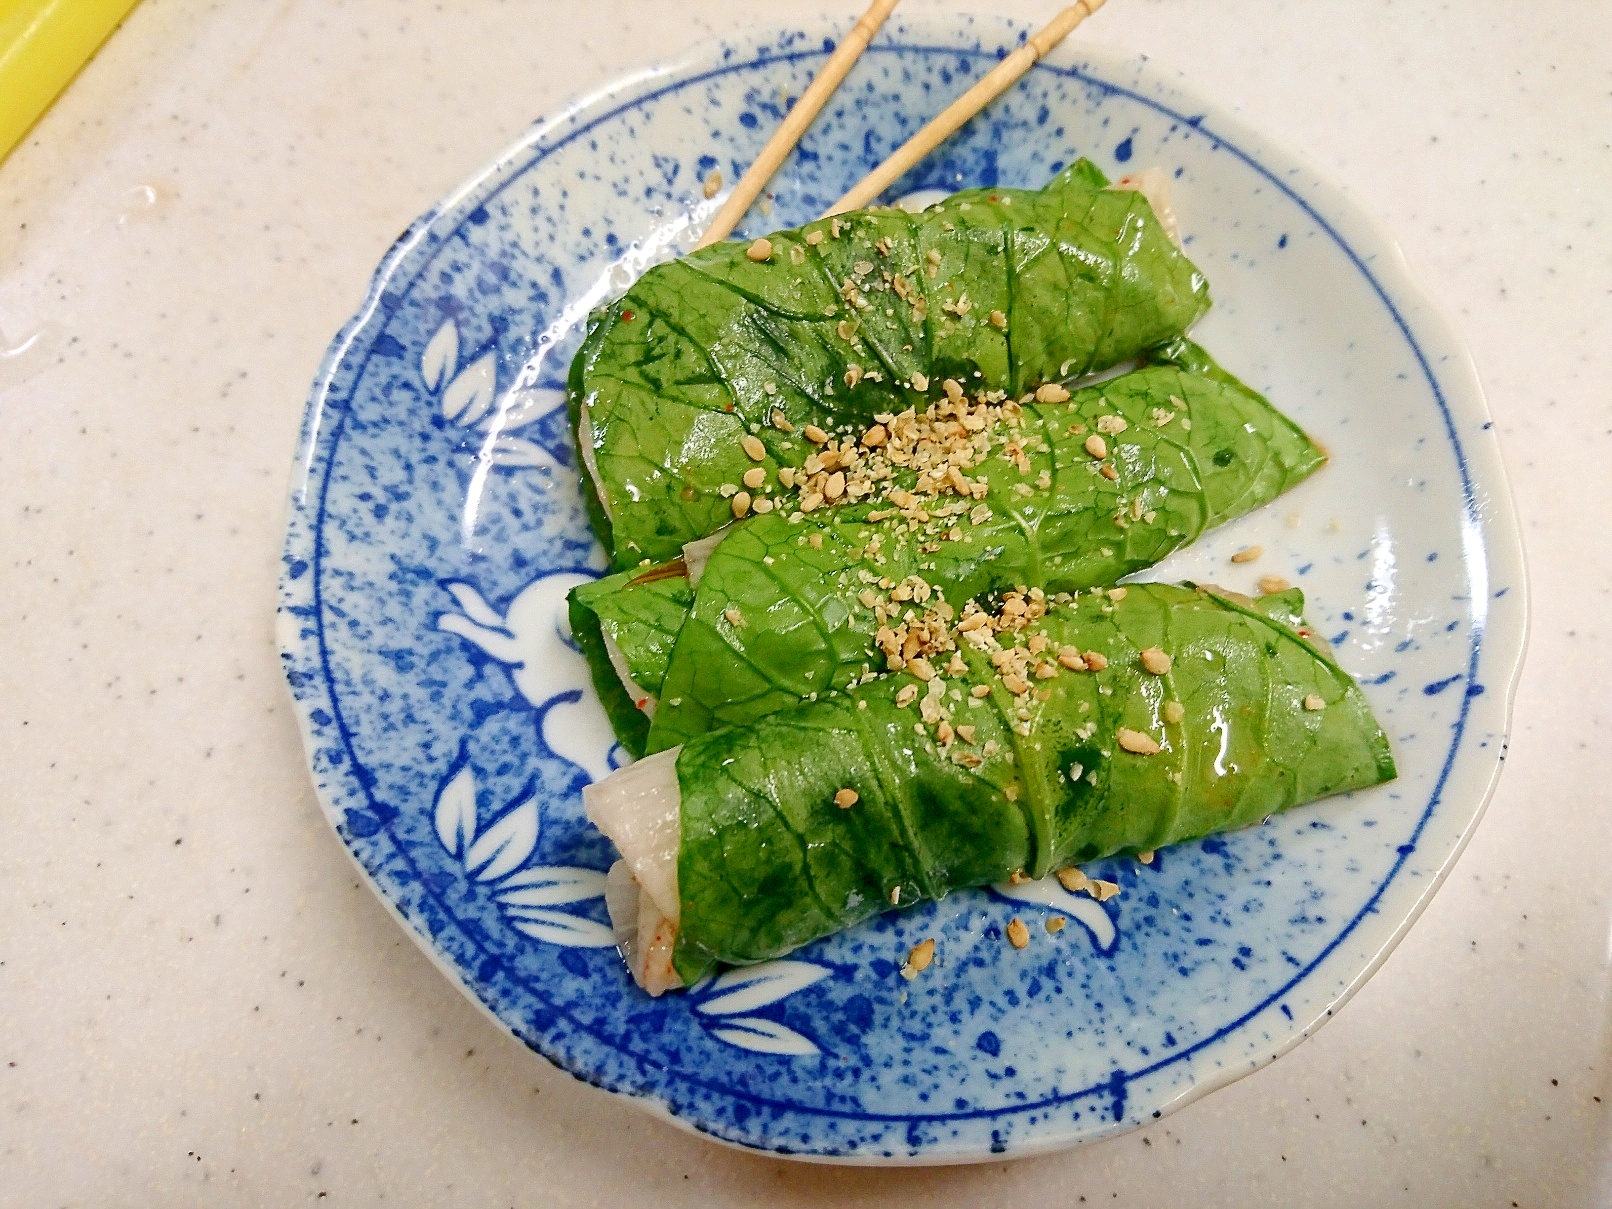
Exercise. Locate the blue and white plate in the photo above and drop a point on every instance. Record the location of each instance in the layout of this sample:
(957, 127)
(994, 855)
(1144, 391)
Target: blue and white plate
(436, 525)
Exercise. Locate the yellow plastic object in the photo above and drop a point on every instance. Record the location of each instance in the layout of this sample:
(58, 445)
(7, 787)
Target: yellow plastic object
(43, 43)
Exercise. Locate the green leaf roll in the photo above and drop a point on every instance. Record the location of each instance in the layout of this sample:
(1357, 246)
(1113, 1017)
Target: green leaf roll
(777, 618)
(848, 317)
(1266, 720)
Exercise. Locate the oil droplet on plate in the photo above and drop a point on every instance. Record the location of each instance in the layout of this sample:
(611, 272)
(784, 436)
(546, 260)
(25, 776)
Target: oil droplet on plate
(136, 203)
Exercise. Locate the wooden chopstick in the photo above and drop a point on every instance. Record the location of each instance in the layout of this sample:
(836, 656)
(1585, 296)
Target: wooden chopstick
(985, 90)
(796, 121)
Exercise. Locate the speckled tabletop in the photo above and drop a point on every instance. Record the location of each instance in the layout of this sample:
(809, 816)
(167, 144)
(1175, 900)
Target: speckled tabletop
(201, 1004)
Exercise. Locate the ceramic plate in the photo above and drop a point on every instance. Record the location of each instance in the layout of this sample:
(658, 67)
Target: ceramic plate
(436, 526)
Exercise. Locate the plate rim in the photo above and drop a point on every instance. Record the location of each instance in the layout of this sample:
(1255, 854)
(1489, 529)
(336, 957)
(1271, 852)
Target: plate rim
(1489, 506)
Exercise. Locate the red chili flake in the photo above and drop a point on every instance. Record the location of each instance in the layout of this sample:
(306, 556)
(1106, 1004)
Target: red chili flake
(641, 702)
(626, 316)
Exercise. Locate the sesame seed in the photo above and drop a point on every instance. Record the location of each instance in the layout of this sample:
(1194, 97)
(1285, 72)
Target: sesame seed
(755, 476)
(1174, 711)
(846, 798)
(1108, 472)
(921, 668)
(1070, 658)
(1137, 742)
(920, 382)
(753, 447)
(1145, 857)
(760, 250)
(1118, 594)
(735, 618)
(1111, 424)
(980, 691)
(1018, 935)
(814, 238)
(921, 955)
(1016, 684)
(835, 487)
(1096, 661)
(763, 504)
(1096, 446)
(1045, 671)
(998, 319)
(943, 733)
(907, 695)
(1269, 585)
(811, 501)
(1314, 702)
(1247, 554)
(815, 539)
(1056, 924)
(1155, 661)
(713, 183)
(1051, 392)
(741, 504)
(780, 421)
(815, 434)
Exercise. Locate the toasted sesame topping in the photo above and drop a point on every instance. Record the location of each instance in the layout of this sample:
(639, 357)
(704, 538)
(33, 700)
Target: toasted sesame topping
(1174, 711)
(922, 953)
(755, 476)
(1137, 742)
(1269, 585)
(980, 691)
(853, 374)
(1045, 671)
(920, 667)
(713, 183)
(816, 541)
(920, 382)
(1314, 702)
(1096, 446)
(1018, 935)
(1118, 594)
(1155, 661)
(966, 733)
(1070, 658)
(875, 436)
(1056, 924)
(735, 618)
(814, 434)
(998, 319)
(907, 695)
(741, 504)
(780, 421)
(1096, 661)
(1074, 881)
(1108, 472)
(846, 798)
(1247, 554)
(814, 238)
(753, 447)
(1110, 425)
(1051, 392)
(762, 504)
(1145, 857)
(811, 501)
(835, 487)
(760, 250)
(1016, 684)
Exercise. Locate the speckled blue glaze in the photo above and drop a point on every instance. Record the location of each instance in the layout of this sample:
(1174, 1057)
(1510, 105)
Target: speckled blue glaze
(436, 521)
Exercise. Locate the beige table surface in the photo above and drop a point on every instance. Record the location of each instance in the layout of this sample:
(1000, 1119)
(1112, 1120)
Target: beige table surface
(200, 1004)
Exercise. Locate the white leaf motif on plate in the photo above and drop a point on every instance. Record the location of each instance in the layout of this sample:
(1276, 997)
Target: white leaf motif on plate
(557, 928)
(456, 812)
(751, 987)
(519, 452)
(1083, 909)
(764, 1037)
(441, 356)
(550, 886)
(470, 394)
(523, 407)
(505, 846)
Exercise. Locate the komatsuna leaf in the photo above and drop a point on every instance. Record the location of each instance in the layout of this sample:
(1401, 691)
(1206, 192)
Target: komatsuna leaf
(783, 610)
(768, 861)
(848, 317)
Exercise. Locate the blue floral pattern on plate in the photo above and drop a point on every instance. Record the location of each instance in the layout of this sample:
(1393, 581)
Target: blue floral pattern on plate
(436, 525)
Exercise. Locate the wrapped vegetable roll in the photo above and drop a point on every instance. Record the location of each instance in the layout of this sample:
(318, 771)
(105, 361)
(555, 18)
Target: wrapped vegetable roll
(1064, 495)
(1118, 722)
(704, 368)
(794, 604)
